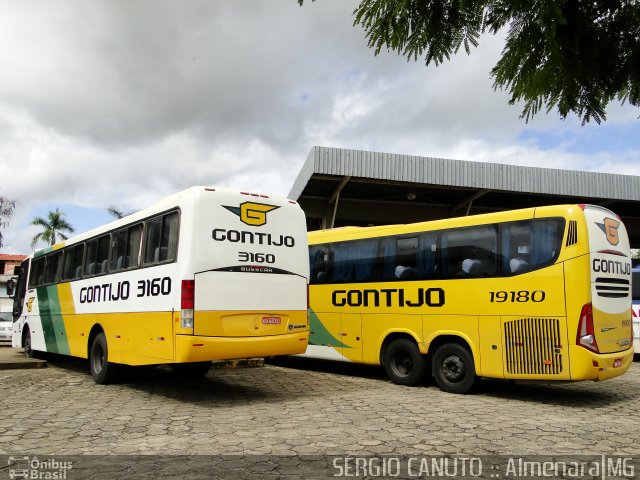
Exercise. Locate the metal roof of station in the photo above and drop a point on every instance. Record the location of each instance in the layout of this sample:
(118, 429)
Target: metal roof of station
(340, 187)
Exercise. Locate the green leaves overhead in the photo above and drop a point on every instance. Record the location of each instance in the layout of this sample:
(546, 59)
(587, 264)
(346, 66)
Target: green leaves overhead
(573, 55)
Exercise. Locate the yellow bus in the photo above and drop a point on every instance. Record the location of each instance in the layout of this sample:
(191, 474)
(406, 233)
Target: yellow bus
(206, 274)
(534, 294)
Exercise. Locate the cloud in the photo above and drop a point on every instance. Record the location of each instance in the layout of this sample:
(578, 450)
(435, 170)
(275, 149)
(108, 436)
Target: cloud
(104, 103)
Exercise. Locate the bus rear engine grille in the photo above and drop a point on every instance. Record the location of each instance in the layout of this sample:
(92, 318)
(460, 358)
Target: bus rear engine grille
(533, 346)
(612, 287)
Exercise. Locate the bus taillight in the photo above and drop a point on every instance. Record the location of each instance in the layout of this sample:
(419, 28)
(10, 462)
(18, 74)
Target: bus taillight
(586, 334)
(188, 294)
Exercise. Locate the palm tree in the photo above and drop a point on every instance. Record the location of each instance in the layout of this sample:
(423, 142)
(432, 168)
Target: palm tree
(117, 212)
(52, 229)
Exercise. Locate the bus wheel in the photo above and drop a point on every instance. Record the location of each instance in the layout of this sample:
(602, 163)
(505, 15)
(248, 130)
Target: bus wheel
(404, 363)
(102, 371)
(190, 370)
(453, 368)
(26, 343)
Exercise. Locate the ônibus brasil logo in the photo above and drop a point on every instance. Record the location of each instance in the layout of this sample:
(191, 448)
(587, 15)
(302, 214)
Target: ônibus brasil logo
(252, 213)
(610, 229)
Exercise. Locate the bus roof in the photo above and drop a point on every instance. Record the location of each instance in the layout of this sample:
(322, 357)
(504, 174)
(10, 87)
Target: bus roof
(158, 207)
(351, 233)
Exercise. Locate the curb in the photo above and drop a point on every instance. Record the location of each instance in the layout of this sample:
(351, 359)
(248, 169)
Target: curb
(14, 359)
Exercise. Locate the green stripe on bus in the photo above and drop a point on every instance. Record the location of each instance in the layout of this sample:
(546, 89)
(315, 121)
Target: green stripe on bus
(320, 335)
(55, 336)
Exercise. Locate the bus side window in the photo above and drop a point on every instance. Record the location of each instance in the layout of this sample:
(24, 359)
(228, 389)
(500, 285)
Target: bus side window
(546, 240)
(405, 260)
(118, 249)
(427, 256)
(53, 267)
(530, 244)
(102, 257)
(319, 263)
(161, 239)
(133, 246)
(72, 269)
(152, 240)
(90, 258)
(169, 238)
(36, 275)
(355, 261)
(469, 252)
(516, 247)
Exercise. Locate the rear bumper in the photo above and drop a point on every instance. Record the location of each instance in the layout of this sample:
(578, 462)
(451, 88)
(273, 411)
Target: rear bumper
(586, 365)
(192, 348)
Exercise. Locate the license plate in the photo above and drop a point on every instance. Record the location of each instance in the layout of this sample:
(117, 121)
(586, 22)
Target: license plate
(271, 320)
(617, 363)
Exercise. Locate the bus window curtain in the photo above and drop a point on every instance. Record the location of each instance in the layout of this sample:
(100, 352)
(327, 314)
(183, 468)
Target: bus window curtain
(366, 260)
(388, 254)
(343, 262)
(544, 240)
(505, 250)
(426, 256)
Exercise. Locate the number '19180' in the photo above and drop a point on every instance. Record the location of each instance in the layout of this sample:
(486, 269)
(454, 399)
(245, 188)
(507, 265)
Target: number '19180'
(521, 296)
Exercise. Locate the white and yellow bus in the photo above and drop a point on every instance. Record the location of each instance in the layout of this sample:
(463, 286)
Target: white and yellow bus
(534, 294)
(206, 274)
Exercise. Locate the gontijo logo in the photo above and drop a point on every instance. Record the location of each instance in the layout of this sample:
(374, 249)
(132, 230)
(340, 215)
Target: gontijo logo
(252, 213)
(610, 229)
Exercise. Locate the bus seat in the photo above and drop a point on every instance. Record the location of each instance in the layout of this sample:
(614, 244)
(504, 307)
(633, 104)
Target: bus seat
(471, 266)
(405, 273)
(91, 269)
(103, 266)
(120, 262)
(517, 264)
(78, 272)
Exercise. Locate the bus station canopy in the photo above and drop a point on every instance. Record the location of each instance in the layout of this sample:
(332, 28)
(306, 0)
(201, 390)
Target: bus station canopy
(338, 187)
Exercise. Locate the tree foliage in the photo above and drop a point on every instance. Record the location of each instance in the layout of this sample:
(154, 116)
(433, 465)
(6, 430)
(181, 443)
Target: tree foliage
(55, 226)
(6, 212)
(117, 212)
(573, 55)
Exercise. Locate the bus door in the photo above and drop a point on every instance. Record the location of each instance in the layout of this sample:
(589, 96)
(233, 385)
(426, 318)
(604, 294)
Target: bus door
(21, 290)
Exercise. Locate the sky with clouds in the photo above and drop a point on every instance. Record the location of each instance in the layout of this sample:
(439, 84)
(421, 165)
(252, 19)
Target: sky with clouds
(123, 103)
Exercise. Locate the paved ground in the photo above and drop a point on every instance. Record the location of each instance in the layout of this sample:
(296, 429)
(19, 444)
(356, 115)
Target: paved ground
(292, 420)
(289, 409)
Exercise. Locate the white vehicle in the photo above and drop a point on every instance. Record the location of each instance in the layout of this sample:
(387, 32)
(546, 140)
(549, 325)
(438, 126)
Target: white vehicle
(206, 274)
(5, 328)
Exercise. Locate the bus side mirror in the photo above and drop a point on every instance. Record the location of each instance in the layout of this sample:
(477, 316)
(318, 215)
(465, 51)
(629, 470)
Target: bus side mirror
(11, 288)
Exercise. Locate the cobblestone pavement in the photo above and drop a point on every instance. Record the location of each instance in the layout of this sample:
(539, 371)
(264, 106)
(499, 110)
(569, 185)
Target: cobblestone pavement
(288, 408)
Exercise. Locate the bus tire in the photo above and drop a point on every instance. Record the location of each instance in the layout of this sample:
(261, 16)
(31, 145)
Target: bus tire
(454, 368)
(404, 363)
(190, 370)
(26, 343)
(102, 371)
